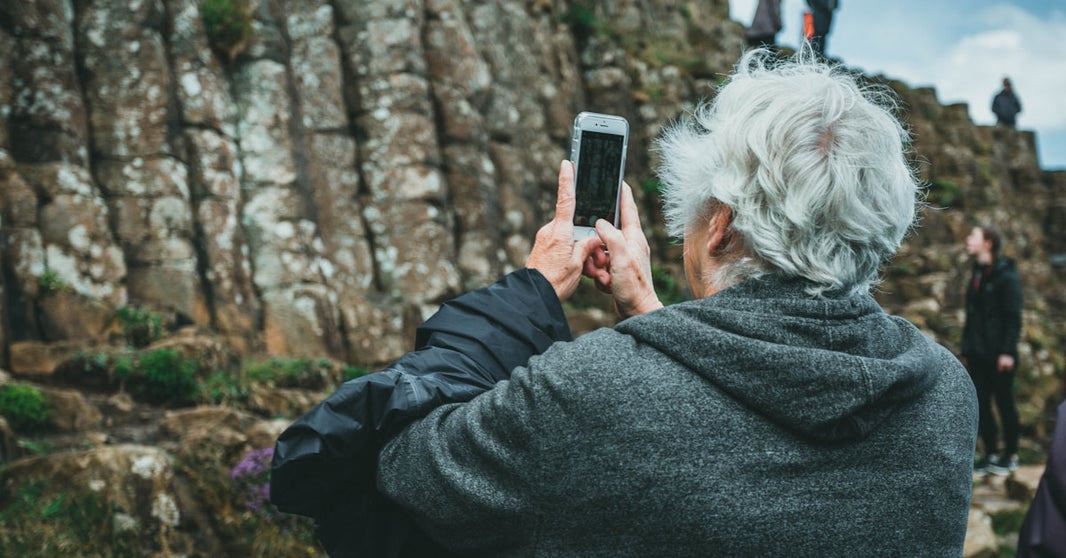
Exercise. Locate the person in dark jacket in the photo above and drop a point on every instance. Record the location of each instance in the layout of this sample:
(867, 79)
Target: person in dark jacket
(1006, 106)
(1043, 533)
(325, 463)
(780, 412)
(822, 13)
(990, 344)
(764, 26)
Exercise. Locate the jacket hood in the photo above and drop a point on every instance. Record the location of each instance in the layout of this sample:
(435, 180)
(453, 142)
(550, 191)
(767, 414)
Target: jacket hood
(827, 368)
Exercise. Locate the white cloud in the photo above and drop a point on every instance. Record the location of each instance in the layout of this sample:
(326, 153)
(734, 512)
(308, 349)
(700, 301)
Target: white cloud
(1029, 50)
(962, 48)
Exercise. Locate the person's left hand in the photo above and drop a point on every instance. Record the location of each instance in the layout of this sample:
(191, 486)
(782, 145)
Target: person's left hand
(1005, 363)
(555, 254)
(622, 267)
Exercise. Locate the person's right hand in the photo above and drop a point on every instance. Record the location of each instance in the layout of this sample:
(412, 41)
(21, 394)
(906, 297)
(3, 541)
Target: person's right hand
(624, 269)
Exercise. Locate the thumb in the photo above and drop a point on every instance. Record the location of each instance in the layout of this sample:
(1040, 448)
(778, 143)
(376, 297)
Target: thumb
(565, 201)
(584, 248)
(610, 236)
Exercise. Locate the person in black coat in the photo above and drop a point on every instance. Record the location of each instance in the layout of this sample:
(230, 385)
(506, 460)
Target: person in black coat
(1006, 105)
(822, 13)
(324, 463)
(990, 344)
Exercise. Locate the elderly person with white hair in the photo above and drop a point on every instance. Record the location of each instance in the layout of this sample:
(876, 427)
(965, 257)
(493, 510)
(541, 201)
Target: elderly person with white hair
(781, 412)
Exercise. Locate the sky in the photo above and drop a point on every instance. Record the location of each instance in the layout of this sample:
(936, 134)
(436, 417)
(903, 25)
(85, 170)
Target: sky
(962, 48)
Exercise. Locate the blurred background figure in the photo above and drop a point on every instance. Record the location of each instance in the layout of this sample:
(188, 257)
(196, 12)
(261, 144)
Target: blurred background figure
(1006, 105)
(990, 344)
(765, 25)
(822, 14)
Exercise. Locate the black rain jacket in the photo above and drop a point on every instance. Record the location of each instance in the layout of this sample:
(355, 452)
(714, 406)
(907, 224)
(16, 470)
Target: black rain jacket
(993, 313)
(325, 463)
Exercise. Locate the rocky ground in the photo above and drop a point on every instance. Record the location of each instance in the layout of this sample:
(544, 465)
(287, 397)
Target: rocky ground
(115, 475)
(998, 507)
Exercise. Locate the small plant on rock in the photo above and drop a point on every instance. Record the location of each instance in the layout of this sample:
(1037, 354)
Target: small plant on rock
(252, 479)
(168, 376)
(50, 283)
(224, 388)
(41, 520)
(274, 533)
(228, 24)
(292, 372)
(159, 375)
(583, 21)
(141, 327)
(24, 407)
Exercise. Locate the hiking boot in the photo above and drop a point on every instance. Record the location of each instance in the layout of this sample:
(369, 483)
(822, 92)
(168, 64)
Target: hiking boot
(982, 466)
(1003, 465)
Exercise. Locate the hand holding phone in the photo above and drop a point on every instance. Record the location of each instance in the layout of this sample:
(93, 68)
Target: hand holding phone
(555, 252)
(621, 266)
(598, 151)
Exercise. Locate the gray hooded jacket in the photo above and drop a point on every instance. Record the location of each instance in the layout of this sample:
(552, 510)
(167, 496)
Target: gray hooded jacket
(755, 422)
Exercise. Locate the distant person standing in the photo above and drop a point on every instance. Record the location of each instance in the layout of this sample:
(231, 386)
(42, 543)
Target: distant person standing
(766, 24)
(990, 345)
(822, 12)
(1006, 105)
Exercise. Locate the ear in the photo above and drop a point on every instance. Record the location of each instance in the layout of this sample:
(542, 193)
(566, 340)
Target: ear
(718, 230)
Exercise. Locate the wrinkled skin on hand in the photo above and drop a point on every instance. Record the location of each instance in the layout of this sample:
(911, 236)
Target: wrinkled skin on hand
(621, 265)
(555, 254)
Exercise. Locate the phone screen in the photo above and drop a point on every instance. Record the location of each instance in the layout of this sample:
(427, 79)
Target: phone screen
(598, 169)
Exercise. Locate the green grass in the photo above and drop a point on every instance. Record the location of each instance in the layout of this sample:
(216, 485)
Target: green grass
(141, 327)
(39, 522)
(224, 388)
(292, 372)
(157, 376)
(168, 376)
(163, 375)
(1008, 521)
(24, 406)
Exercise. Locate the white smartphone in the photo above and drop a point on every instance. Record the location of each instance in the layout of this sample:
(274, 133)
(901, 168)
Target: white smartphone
(598, 151)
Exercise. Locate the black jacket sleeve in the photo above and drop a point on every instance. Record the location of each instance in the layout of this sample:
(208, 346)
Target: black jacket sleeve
(1010, 311)
(325, 463)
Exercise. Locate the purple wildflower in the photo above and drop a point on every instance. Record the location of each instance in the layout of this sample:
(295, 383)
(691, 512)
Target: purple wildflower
(252, 477)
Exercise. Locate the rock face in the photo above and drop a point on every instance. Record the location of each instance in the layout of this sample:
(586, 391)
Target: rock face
(320, 188)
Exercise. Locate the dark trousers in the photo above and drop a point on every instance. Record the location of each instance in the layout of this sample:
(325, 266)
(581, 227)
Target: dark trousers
(993, 384)
(822, 20)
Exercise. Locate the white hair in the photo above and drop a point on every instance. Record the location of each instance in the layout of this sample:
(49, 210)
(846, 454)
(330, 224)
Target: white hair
(811, 163)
